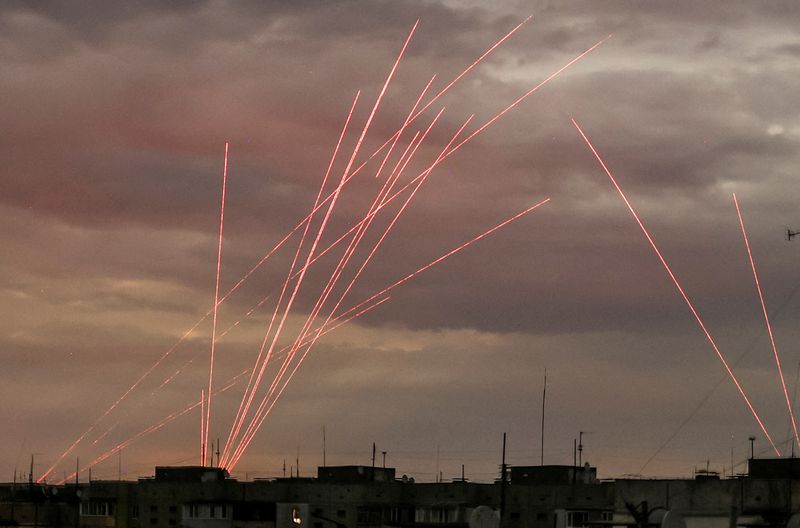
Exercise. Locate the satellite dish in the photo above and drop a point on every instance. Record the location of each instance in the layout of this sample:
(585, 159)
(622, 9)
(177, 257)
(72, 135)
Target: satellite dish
(484, 517)
(667, 519)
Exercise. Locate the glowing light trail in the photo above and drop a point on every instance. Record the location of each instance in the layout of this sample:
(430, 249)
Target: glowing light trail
(240, 450)
(313, 315)
(396, 217)
(266, 257)
(277, 246)
(766, 320)
(233, 381)
(364, 225)
(252, 384)
(377, 151)
(337, 192)
(680, 289)
(202, 428)
(216, 306)
(153, 428)
(403, 127)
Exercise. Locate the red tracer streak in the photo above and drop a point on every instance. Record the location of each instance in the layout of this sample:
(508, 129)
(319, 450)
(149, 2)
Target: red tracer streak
(680, 289)
(766, 319)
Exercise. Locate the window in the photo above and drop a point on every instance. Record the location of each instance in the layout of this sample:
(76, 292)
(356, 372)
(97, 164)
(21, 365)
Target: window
(435, 515)
(205, 511)
(370, 516)
(577, 519)
(97, 508)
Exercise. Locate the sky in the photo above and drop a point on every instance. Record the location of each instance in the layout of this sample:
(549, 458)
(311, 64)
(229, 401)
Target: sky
(115, 119)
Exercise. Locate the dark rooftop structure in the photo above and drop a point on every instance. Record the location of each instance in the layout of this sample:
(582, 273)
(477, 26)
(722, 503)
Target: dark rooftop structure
(774, 468)
(354, 474)
(552, 475)
(190, 474)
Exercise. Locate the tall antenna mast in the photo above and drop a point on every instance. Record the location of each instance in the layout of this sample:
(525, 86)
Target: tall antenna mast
(544, 398)
(503, 481)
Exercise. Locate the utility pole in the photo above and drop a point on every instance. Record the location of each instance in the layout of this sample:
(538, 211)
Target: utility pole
(77, 493)
(384, 459)
(324, 448)
(752, 447)
(580, 446)
(503, 482)
(544, 397)
(574, 452)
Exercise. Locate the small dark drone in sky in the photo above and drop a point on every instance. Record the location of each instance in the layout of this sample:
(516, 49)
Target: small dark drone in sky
(791, 234)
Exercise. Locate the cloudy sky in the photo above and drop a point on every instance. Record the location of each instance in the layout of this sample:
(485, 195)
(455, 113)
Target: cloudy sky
(114, 124)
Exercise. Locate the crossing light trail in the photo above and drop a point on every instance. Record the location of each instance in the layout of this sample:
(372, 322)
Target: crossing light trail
(155, 427)
(402, 128)
(389, 227)
(336, 194)
(242, 447)
(680, 289)
(299, 226)
(216, 306)
(766, 320)
(722, 379)
(325, 220)
(263, 260)
(341, 321)
(202, 427)
(367, 308)
(246, 396)
(380, 198)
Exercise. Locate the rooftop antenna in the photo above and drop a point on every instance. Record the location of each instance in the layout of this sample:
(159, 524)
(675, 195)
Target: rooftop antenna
(323, 448)
(503, 481)
(544, 397)
(436, 477)
(217, 452)
(752, 447)
(580, 446)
